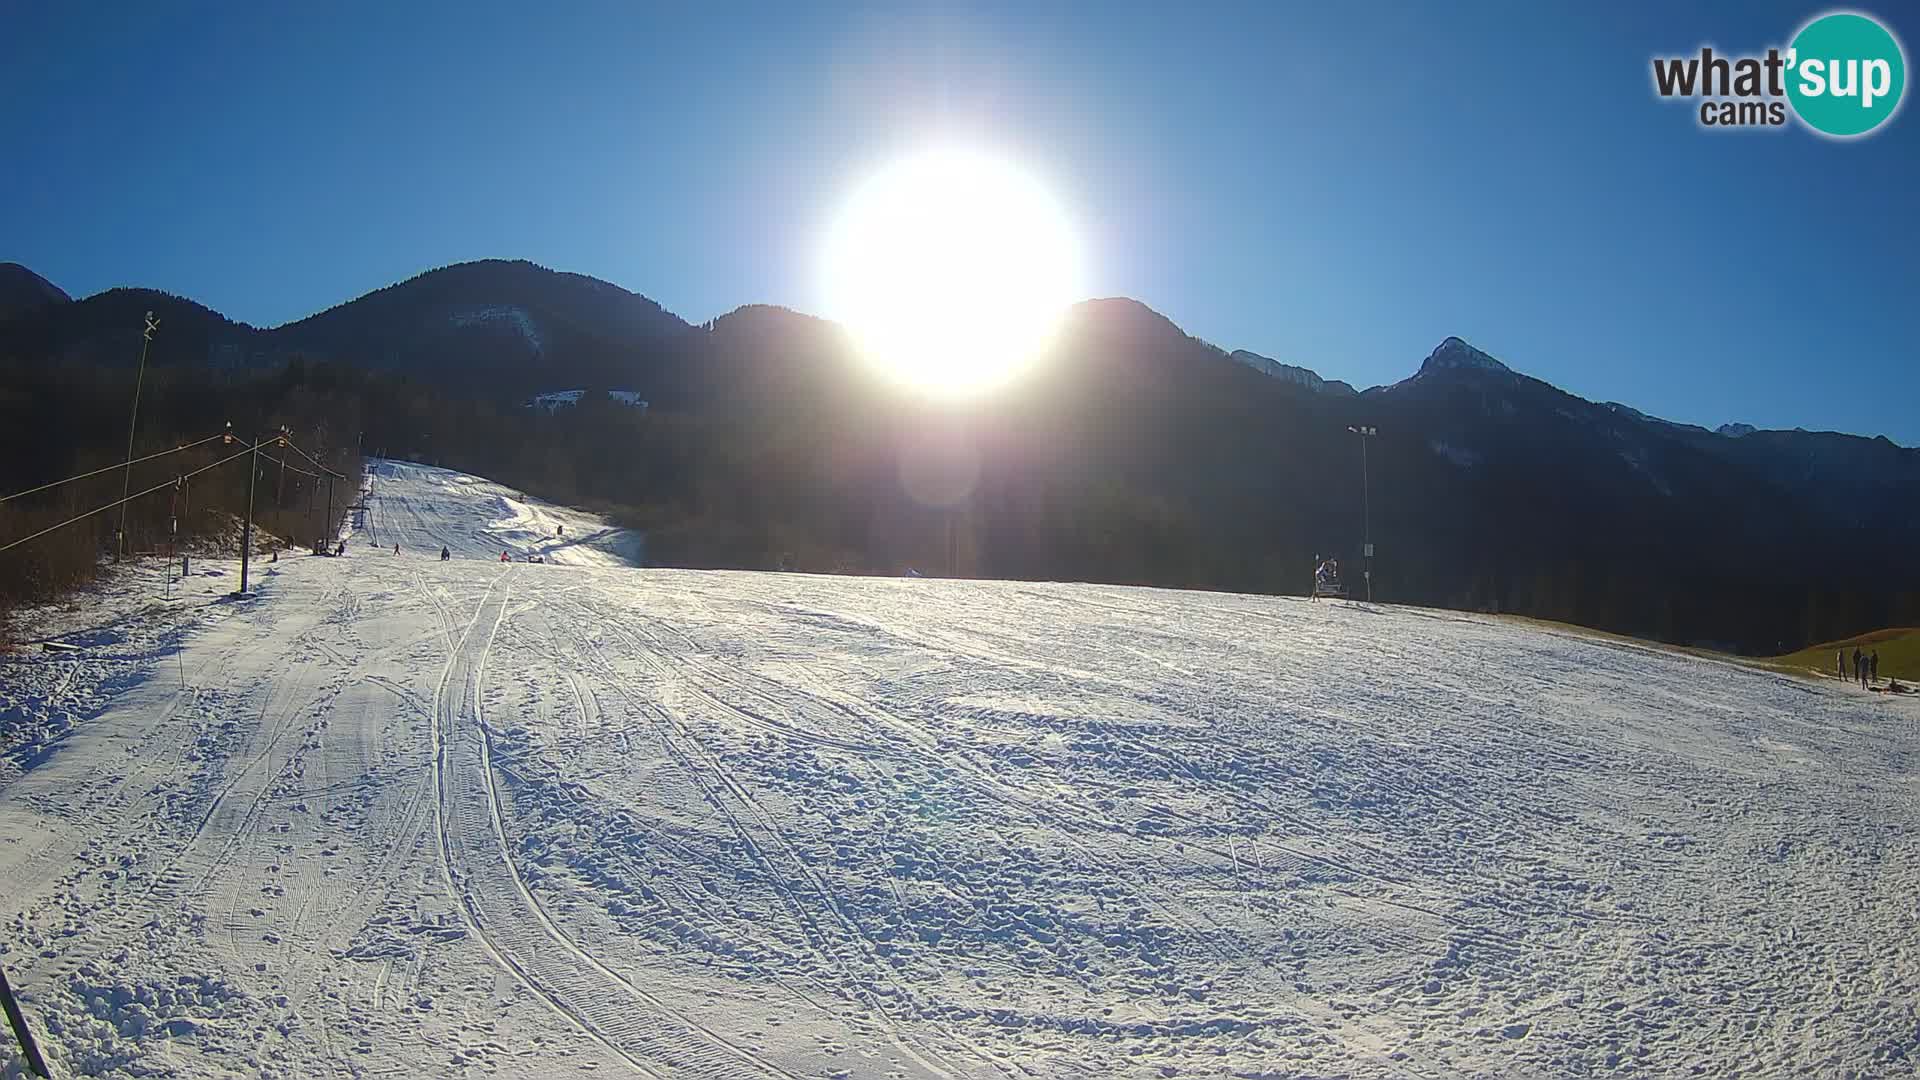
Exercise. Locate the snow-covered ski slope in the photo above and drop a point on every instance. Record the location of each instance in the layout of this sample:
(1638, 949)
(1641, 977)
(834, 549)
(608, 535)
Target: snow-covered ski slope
(422, 508)
(394, 817)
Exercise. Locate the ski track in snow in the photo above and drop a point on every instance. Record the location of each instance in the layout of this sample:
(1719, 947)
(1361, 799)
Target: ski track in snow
(398, 816)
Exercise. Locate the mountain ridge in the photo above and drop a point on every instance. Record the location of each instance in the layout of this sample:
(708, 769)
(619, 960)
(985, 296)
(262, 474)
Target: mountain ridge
(641, 321)
(22, 290)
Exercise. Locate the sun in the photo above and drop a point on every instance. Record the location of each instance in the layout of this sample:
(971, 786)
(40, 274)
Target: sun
(952, 268)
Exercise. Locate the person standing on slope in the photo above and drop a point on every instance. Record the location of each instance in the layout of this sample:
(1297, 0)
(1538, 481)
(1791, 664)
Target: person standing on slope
(1840, 662)
(1873, 666)
(1856, 663)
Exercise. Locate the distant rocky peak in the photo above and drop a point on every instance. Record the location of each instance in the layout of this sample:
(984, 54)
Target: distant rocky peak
(1734, 431)
(1455, 354)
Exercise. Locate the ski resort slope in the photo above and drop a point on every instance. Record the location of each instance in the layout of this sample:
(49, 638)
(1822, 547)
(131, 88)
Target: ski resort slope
(422, 508)
(393, 816)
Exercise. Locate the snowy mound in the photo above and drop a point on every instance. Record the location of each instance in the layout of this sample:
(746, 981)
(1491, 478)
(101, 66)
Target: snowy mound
(555, 401)
(513, 315)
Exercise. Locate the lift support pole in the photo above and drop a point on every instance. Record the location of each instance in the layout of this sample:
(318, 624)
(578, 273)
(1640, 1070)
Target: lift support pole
(18, 1021)
(246, 532)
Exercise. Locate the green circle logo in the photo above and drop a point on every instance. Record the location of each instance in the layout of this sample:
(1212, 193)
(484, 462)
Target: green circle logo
(1846, 74)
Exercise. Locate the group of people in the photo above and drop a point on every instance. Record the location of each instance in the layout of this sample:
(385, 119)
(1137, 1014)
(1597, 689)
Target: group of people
(341, 549)
(1866, 666)
(445, 554)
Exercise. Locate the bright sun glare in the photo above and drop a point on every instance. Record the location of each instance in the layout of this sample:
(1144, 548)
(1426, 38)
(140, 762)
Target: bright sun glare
(952, 268)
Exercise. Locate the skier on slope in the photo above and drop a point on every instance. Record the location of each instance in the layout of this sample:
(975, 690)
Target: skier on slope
(444, 553)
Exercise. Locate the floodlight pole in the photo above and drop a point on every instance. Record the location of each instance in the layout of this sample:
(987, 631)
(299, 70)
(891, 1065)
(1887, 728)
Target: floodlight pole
(1366, 504)
(126, 477)
(246, 531)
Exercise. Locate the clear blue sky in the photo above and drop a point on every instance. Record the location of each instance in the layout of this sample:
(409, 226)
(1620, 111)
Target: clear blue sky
(1339, 188)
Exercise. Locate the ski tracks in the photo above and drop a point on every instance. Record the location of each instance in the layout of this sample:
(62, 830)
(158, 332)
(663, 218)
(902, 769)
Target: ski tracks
(500, 910)
(836, 938)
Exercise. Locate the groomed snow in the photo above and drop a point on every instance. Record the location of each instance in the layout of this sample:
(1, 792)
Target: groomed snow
(398, 817)
(422, 508)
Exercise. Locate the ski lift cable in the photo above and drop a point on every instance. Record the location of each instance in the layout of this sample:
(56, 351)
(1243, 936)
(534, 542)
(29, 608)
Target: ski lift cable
(117, 502)
(317, 463)
(110, 468)
(282, 462)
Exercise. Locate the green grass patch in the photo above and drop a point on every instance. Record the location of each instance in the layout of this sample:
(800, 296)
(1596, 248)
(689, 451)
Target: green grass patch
(1899, 650)
(1899, 653)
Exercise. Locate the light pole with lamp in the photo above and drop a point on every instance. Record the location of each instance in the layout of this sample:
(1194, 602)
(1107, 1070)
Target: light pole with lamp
(1366, 507)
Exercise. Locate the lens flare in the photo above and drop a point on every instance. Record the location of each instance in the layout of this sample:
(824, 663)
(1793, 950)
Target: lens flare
(952, 269)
